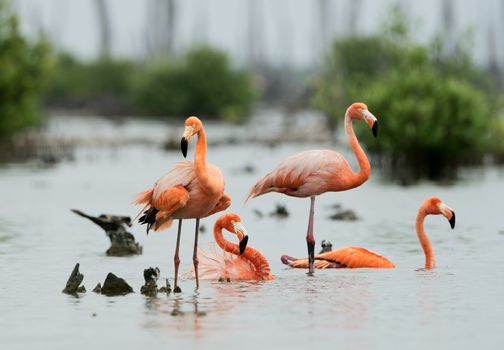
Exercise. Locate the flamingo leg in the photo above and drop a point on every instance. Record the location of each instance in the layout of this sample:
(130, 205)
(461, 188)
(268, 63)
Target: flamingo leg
(195, 253)
(176, 258)
(310, 239)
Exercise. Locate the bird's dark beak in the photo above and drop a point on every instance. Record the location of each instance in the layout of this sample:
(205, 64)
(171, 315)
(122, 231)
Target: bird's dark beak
(183, 146)
(375, 128)
(452, 220)
(243, 244)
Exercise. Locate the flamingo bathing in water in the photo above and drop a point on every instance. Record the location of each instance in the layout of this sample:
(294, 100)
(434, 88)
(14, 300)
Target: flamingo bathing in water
(190, 190)
(355, 257)
(238, 262)
(311, 173)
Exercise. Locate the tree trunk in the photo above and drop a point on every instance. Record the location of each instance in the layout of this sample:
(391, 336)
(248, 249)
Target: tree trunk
(105, 28)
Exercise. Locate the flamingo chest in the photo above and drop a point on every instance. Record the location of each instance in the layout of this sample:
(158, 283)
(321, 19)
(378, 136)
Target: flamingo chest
(200, 203)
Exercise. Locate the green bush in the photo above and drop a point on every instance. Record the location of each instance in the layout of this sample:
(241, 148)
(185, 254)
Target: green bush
(202, 83)
(435, 108)
(497, 140)
(353, 63)
(89, 84)
(24, 68)
(429, 123)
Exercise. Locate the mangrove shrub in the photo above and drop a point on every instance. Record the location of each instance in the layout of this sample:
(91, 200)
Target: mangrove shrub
(101, 85)
(435, 108)
(429, 123)
(24, 69)
(202, 83)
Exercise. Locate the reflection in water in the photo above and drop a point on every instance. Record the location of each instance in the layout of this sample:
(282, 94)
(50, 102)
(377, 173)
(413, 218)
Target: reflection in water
(428, 298)
(188, 312)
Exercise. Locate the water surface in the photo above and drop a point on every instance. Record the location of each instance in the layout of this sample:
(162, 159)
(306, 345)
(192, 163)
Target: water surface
(457, 305)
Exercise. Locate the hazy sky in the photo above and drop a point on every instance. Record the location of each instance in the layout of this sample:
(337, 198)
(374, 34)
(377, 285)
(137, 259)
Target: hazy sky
(288, 30)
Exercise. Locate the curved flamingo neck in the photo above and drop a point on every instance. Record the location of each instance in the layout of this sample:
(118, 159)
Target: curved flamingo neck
(226, 245)
(430, 260)
(200, 165)
(253, 256)
(364, 166)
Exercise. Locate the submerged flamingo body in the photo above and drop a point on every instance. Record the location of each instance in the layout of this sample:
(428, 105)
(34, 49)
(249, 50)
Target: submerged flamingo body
(356, 257)
(347, 257)
(237, 261)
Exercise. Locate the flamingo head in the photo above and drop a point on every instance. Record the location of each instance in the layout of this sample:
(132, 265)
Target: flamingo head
(435, 206)
(359, 111)
(192, 126)
(232, 223)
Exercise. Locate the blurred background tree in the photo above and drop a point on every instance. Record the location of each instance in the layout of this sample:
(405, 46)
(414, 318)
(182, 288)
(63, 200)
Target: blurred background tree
(201, 83)
(24, 70)
(436, 110)
(439, 108)
(99, 86)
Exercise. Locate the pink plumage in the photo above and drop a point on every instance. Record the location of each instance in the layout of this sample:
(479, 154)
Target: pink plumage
(311, 173)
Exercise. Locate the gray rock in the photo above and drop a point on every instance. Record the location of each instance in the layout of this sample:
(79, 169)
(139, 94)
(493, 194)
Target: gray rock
(73, 284)
(114, 285)
(280, 211)
(98, 288)
(326, 246)
(151, 276)
(165, 289)
(122, 242)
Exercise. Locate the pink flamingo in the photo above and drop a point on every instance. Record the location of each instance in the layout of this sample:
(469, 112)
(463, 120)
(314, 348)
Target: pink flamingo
(238, 262)
(311, 173)
(190, 190)
(356, 257)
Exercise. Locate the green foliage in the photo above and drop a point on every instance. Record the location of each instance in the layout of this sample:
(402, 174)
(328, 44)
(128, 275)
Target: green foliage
(429, 123)
(24, 68)
(435, 108)
(89, 84)
(353, 63)
(497, 139)
(202, 83)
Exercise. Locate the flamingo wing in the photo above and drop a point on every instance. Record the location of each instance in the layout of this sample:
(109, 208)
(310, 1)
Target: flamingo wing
(347, 257)
(223, 203)
(302, 174)
(356, 257)
(182, 174)
(318, 264)
(168, 194)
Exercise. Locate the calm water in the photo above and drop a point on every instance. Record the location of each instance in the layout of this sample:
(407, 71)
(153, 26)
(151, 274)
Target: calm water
(457, 305)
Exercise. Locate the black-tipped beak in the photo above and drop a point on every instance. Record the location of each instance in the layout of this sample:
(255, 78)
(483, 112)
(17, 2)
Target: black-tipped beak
(183, 146)
(375, 128)
(452, 220)
(243, 244)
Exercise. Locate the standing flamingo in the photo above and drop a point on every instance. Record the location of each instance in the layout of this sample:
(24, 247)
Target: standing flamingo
(190, 190)
(355, 257)
(311, 173)
(238, 262)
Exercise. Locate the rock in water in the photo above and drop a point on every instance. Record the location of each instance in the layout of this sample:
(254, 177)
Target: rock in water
(114, 285)
(343, 214)
(98, 288)
(165, 289)
(326, 246)
(73, 284)
(280, 211)
(122, 243)
(151, 276)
